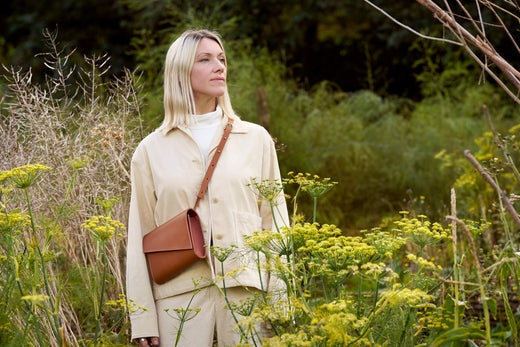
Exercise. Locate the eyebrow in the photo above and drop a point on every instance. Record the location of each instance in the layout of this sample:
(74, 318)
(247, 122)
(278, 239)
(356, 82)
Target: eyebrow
(208, 53)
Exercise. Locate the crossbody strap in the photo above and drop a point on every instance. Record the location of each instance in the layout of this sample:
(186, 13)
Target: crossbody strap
(214, 160)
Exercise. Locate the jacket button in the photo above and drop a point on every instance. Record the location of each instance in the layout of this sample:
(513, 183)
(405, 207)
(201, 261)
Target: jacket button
(219, 236)
(214, 200)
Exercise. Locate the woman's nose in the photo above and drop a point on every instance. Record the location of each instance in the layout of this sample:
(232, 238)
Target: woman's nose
(219, 66)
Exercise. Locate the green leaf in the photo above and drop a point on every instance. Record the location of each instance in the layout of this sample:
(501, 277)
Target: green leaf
(492, 305)
(504, 272)
(458, 335)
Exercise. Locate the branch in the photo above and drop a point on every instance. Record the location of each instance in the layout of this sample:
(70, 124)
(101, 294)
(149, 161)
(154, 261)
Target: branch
(488, 50)
(409, 28)
(493, 184)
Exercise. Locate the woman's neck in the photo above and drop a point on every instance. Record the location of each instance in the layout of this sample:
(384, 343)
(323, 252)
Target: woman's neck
(205, 107)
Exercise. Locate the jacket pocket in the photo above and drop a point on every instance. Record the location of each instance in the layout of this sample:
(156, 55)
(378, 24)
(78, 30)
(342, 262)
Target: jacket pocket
(245, 224)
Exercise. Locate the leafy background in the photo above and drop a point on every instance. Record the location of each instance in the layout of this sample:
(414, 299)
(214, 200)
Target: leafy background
(346, 93)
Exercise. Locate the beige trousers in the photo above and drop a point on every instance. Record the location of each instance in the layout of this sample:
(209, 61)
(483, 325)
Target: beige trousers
(199, 327)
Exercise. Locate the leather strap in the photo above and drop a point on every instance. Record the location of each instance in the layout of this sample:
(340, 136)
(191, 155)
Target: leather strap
(214, 160)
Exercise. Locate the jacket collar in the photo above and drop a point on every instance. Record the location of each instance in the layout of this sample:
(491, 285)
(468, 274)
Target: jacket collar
(239, 126)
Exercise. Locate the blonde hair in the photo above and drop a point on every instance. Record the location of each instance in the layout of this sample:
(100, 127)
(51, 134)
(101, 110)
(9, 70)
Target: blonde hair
(179, 103)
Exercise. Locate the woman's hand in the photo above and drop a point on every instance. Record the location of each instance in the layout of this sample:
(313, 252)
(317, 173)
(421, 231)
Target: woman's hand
(148, 341)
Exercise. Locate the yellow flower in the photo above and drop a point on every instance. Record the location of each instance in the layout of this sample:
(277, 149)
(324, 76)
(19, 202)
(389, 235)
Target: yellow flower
(102, 227)
(269, 190)
(14, 220)
(314, 185)
(23, 176)
(421, 231)
(404, 296)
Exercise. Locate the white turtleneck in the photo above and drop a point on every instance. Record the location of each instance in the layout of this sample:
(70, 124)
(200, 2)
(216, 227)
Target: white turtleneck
(203, 129)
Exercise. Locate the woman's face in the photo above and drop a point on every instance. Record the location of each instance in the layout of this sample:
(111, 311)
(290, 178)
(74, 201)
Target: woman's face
(208, 74)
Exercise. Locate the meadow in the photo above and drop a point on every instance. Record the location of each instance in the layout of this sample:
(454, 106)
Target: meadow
(398, 236)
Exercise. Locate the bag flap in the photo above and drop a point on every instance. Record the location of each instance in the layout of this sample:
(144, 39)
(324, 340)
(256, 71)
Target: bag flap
(172, 235)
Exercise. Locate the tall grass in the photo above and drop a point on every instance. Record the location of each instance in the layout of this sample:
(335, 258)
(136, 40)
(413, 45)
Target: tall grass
(83, 126)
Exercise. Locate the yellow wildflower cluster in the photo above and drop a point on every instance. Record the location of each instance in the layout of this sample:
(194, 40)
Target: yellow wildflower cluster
(421, 231)
(103, 227)
(23, 176)
(373, 270)
(423, 263)
(222, 253)
(312, 184)
(301, 233)
(266, 241)
(398, 296)
(126, 304)
(339, 251)
(333, 325)
(78, 163)
(269, 190)
(385, 243)
(335, 258)
(434, 319)
(14, 221)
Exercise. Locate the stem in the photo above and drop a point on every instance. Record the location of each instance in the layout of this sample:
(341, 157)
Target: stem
(260, 275)
(403, 332)
(455, 267)
(273, 216)
(483, 297)
(101, 294)
(243, 335)
(56, 325)
(67, 194)
(315, 208)
(360, 283)
(497, 189)
(376, 296)
(183, 319)
(295, 204)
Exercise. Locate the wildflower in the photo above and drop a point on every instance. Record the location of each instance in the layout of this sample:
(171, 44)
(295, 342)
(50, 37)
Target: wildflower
(78, 163)
(107, 204)
(373, 270)
(14, 220)
(312, 184)
(422, 232)
(125, 303)
(398, 296)
(102, 227)
(265, 241)
(23, 176)
(385, 243)
(183, 314)
(222, 253)
(245, 307)
(269, 190)
(424, 263)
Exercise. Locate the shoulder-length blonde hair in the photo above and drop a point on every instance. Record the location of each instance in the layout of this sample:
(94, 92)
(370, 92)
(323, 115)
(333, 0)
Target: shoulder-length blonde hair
(179, 103)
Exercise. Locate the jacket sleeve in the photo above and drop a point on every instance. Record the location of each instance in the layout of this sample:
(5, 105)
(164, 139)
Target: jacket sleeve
(143, 315)
(271, 172)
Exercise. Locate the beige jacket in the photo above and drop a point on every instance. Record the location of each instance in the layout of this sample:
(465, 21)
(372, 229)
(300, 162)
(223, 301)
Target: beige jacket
(166, 173)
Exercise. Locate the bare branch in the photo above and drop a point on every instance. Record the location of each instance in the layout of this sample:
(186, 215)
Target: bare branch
(489, 179)
(409, 28)
(481, 43)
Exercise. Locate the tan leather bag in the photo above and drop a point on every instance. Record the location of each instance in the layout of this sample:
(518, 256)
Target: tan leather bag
(175, 245)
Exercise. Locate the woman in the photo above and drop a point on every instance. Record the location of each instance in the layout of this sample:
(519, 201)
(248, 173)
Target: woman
(167, 170)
